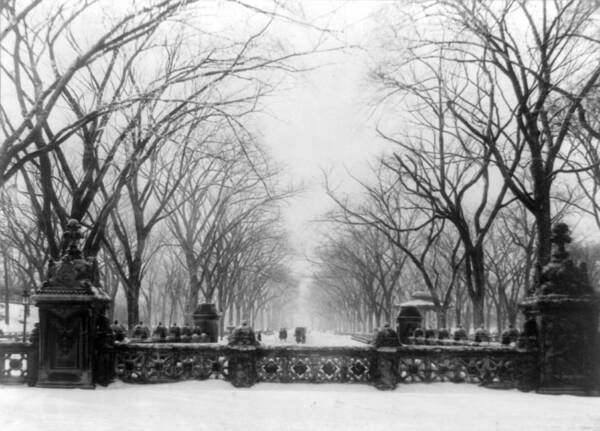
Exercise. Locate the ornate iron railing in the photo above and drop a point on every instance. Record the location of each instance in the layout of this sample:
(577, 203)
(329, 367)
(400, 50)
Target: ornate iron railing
(167, 362)
(314, 364)
(15, 362)
(492, 365)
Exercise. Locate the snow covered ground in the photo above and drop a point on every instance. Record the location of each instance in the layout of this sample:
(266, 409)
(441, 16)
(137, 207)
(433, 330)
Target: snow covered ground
(215, 405)
(15, 323)
(313, 338)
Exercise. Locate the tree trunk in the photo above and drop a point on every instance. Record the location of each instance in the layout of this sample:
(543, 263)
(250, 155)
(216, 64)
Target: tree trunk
(458, 312)
(544, 231)
(467, 320)
(441, 318)
(133, 313)
(193, 298)
(477, 288)
(6, 290)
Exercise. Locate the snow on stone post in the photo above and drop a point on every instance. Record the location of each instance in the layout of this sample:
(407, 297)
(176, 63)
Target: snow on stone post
(241, 356)
(563, 314)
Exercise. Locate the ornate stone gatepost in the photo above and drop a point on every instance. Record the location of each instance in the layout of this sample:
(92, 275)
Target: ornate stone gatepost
(71, 305)
(242, 357)
(562, 314)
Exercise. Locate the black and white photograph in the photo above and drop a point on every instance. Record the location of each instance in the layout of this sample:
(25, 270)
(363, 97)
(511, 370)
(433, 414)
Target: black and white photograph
(311, 215)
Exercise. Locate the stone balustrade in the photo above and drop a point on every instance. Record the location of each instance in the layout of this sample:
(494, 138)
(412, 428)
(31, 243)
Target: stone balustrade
(500, 366)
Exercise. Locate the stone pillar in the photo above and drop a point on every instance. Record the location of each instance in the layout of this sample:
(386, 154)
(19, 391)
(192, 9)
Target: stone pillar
(407, 321)
(70, 305)
(242, 366)
(385, 375)
(562, 323)
(206, 318)
(241, 356)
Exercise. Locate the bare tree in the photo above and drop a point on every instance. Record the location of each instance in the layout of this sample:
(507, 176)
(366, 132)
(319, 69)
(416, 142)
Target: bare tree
(535, 62)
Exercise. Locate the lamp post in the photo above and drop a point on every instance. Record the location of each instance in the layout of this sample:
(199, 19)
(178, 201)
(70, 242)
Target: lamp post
(25, 301)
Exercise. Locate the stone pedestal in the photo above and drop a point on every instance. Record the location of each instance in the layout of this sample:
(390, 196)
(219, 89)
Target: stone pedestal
(206, 318)
(566, 342)
(73, 331)
(562, 324)
(66, 349)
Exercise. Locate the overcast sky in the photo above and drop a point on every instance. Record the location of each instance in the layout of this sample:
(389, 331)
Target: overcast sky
(324, 120)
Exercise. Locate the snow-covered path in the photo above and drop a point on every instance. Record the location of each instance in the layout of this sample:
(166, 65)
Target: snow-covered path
(313, 338)
(215, 405)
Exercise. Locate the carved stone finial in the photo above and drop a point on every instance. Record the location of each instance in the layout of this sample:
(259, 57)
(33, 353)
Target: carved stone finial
(243, 336)
(560, 236)
(386, 337)
(73, 271)
(561, 276)
(70, 240)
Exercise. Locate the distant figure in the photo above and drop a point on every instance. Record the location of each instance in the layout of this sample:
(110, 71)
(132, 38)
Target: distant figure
(283, 334)
(119, 330)
(300, 334)
(203, 338)
(258, 336)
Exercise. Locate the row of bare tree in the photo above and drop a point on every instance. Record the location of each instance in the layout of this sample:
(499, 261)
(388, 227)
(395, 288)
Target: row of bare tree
(134, 120)
(491, 111)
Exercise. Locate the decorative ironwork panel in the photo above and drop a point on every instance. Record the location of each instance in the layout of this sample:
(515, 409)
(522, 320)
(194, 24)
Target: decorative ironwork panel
(14, 363)
(289, 364)
(300, 369)
(155, 363)
(358, 369)
(490, 367)
(271, 369)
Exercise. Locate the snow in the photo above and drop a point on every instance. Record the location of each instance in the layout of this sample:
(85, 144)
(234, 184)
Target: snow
(313, 338)
(216, 405)
(15, 323)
